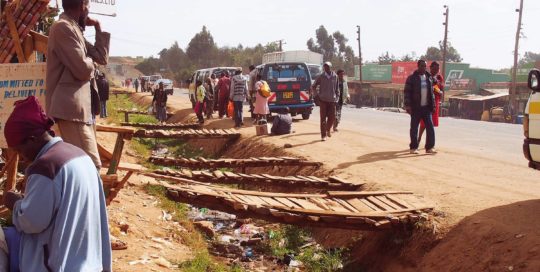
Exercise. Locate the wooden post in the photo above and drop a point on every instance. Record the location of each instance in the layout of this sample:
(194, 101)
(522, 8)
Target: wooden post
(126, 117)
(14, 33)
(117, 153)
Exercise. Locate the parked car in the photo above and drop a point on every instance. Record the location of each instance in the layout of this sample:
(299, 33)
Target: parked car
(531, 121)
(167, 85)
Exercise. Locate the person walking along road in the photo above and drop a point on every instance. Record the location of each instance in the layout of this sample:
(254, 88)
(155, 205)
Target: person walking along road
(200, 95)
(224, 89)
(103, 90)
(327, 96)
(160, 103)
(438, 89)
(136, 84)
(342, 98)
(420, 104)
(238, 94)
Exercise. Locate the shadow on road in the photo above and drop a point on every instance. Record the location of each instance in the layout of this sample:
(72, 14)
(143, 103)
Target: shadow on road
(380, 156)
(300, 134)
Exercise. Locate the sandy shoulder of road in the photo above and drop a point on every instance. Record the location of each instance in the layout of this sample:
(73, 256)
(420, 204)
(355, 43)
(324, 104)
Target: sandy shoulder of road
(457, 183)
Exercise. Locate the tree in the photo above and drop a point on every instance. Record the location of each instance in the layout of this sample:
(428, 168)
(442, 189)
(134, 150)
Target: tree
(386, 58)
(436, 54)
(202, 48)
(529, 57)
(409, 57)
(324, 45)
(334, 48)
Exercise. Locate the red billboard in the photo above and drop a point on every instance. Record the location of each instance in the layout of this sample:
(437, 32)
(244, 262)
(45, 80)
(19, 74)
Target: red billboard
(401, 70)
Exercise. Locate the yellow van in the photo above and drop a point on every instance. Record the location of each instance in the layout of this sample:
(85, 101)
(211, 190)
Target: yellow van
(531, 121)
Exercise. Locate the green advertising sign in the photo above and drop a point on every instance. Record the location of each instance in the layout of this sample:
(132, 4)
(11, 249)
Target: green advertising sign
(374, 72)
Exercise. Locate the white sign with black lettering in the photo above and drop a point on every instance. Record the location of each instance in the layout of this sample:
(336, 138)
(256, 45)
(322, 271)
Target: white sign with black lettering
(102, 7)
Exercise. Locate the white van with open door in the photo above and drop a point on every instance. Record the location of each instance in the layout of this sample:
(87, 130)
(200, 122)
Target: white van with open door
(531, 121)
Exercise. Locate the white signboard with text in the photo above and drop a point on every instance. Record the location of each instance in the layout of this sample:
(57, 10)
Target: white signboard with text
(17, 82)
(103, 7)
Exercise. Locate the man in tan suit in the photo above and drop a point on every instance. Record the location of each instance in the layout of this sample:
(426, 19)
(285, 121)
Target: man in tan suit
(70, 66)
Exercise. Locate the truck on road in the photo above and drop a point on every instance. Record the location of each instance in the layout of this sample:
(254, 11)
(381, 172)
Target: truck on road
(531, 121)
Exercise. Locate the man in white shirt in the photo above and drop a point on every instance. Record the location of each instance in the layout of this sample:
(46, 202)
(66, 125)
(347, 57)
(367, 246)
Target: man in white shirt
(420, 104)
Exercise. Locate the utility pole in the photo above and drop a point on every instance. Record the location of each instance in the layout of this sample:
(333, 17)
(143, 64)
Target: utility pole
(513, 88)
(359, 54)
(445, 42)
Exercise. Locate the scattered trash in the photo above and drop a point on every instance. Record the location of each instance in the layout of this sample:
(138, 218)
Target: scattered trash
(163, 262)
(206, 227)
(166, 216)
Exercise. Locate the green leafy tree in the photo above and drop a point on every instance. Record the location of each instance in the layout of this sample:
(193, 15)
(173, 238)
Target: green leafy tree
(436, 53)
(529, 57)
(202, 49)
(386, 58)
(409, 57)
(325, 44)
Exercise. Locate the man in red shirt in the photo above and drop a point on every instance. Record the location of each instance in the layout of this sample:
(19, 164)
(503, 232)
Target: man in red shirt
(224, 88)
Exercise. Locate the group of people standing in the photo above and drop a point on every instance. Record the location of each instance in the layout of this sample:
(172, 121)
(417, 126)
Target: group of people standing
(231, 92)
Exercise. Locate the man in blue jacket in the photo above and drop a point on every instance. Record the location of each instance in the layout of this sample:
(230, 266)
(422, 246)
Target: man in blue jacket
(62, 218)
(420, 104)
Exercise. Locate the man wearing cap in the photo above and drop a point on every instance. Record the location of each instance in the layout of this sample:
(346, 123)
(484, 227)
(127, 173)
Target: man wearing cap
(327, 97)
(61, 218)
(70, 66)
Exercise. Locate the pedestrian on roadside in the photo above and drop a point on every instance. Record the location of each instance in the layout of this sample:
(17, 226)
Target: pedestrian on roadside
(282, 122)
(136, 84)
(160, 103)
(61, 219)
(209, 97)
(103, 90)
(70, 66)
(224, 87)
(261, 109)
(438, 90)
(327, 97)
(215, 82)
(200, 94)
(252, 91)
(143, 85)
(420, 104)
(238, 94)
(343, 89)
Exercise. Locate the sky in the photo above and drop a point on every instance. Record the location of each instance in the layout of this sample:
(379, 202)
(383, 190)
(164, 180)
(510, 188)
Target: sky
(483, 31)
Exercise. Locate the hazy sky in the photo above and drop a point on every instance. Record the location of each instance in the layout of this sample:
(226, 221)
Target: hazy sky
(483, 31)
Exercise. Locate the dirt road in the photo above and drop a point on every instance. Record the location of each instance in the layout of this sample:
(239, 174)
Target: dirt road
(479, 164)
(487, 197)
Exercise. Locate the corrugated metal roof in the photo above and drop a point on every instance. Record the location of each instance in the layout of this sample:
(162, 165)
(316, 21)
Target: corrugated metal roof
(474, 97)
